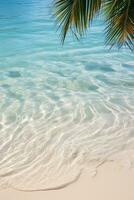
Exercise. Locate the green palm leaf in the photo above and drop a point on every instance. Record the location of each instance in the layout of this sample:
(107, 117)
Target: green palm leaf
(120, 23)
(75, 14)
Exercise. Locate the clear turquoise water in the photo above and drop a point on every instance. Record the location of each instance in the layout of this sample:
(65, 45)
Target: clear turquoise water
(63, 109)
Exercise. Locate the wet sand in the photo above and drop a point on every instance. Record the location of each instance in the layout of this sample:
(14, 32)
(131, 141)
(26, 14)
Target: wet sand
(112, 182)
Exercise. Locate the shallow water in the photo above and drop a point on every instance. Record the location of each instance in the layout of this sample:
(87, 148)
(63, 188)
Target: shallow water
(62, 109)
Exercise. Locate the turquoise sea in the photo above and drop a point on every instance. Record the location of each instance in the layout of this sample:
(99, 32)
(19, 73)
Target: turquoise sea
(63, 109)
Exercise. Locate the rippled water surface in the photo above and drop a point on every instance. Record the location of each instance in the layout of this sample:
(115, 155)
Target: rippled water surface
(62, 109)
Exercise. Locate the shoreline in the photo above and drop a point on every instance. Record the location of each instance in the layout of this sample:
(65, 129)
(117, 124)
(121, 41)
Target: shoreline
(111, 182)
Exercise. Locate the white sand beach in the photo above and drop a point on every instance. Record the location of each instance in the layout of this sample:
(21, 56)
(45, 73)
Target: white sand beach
(112, 182)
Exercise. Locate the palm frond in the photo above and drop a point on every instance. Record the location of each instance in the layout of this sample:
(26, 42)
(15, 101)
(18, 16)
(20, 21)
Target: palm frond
(75, 14)
(120, 23)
